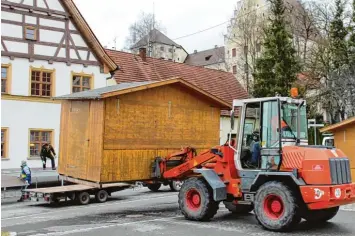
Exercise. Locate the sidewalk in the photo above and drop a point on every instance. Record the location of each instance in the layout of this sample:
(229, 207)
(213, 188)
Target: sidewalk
(39, 176)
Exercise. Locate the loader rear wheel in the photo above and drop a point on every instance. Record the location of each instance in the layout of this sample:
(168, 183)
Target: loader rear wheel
(196, 200)
(154, 187)
(318, 216)
(275, 207)
(238, 209)
(101, 196)
(83, 198)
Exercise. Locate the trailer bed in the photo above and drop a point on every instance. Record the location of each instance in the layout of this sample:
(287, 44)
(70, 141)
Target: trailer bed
(61, 189)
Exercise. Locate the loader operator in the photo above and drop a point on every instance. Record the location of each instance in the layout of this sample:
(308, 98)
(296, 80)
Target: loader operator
(255, 149)
(47, 151)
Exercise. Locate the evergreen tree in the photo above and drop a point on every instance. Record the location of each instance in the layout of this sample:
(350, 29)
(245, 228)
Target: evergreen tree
(338, 33)
(352, 37)
(277, 67)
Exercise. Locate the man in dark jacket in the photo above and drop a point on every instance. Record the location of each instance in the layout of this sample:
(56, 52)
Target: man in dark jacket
(47, 151)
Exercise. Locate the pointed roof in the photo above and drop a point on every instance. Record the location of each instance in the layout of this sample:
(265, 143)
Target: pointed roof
(155, 36)
(124, 88)
(89, 35)
(207, 57)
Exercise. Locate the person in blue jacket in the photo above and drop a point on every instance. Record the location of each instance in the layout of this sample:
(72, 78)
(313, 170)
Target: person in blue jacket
(25, 176)
(255, 149)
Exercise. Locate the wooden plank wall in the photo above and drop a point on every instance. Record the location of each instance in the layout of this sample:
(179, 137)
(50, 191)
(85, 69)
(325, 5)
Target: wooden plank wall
(95, 136)
(81, 139)
(344, 139)
(63, 137)
(126, 165)
(142, 125)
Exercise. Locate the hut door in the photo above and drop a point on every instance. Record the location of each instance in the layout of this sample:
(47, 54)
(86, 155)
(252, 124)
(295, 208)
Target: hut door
(78, 140)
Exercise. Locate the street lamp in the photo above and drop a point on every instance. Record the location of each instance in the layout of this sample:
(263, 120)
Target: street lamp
(313, 123)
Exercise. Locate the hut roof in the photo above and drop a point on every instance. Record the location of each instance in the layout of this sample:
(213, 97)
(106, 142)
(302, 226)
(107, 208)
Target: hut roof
(129, 87)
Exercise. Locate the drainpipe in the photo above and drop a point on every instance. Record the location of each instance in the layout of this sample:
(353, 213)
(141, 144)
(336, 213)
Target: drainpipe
(112, 73)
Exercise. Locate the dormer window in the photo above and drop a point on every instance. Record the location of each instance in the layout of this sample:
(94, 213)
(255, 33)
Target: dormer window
(208, 57)
(30, 33)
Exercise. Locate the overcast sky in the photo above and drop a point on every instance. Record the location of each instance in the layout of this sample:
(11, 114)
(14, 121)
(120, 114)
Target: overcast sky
(112, 18)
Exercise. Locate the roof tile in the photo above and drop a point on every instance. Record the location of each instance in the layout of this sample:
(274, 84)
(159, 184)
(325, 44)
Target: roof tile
(219, 83)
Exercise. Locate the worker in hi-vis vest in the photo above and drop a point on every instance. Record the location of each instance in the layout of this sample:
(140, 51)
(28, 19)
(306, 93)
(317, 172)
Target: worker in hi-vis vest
(25, 176)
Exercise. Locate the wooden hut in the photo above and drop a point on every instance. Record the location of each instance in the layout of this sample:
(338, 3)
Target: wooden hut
(113, 133)
(344, 139)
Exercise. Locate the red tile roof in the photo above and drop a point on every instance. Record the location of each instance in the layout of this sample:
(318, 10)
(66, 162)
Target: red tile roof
(219, 83)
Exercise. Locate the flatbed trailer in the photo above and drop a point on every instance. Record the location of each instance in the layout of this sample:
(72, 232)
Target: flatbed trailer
(80, 191)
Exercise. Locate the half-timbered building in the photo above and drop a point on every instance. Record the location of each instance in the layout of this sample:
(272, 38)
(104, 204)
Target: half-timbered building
(47, 50)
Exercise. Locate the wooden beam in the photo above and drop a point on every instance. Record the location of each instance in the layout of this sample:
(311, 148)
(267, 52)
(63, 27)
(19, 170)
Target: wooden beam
(47, 58)
(39, 26)
(13, 39)
(28, 7)
(32, 14)
(139, 88)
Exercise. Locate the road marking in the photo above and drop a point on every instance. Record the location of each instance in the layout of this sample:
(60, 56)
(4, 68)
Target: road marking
(102, 227)
(87, 206)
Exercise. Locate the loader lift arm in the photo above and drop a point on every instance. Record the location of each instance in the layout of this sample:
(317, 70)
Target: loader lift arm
(188, 161)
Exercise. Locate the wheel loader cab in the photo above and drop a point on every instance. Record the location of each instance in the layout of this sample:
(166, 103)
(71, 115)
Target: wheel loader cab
(265, 126)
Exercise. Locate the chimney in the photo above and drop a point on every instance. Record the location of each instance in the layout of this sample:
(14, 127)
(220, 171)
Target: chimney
(143, 53)
(195, 51)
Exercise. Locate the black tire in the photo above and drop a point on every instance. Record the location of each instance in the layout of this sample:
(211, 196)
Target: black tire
(275, 207)
(83, 198)
(319, 216)
(101, 196)
(72, 196)
(238, 209)
(196, 200)
(175, 185)
(154, 187)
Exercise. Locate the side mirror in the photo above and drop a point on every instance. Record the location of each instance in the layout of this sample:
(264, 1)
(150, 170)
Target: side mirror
(232, 119)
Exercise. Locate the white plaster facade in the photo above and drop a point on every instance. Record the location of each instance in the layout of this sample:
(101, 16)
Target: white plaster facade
(165, 52)
(21, 111)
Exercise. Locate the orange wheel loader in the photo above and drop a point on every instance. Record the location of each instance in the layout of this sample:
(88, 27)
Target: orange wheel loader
(266, 166)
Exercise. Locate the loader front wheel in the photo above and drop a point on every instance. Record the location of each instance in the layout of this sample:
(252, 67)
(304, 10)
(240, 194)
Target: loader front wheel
(319, 216)
(275, 207)
(238, 209)
(154, 187)
(196, 200)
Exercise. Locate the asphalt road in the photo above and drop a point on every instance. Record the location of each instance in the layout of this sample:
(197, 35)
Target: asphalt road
(138, 212)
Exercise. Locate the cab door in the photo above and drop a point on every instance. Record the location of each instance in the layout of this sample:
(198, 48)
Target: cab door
(270, 135)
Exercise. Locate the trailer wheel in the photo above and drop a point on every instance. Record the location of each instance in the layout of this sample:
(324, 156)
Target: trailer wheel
(83, 198)
(238, 209)
(101, 196)
(175, 185)
(196, 200)
(275, 207)
(318, 216)
(154, 187)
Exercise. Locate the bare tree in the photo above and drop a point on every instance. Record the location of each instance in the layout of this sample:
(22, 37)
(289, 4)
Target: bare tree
(336, 92)
(303, 25)
(246, 33)
(144, 24)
